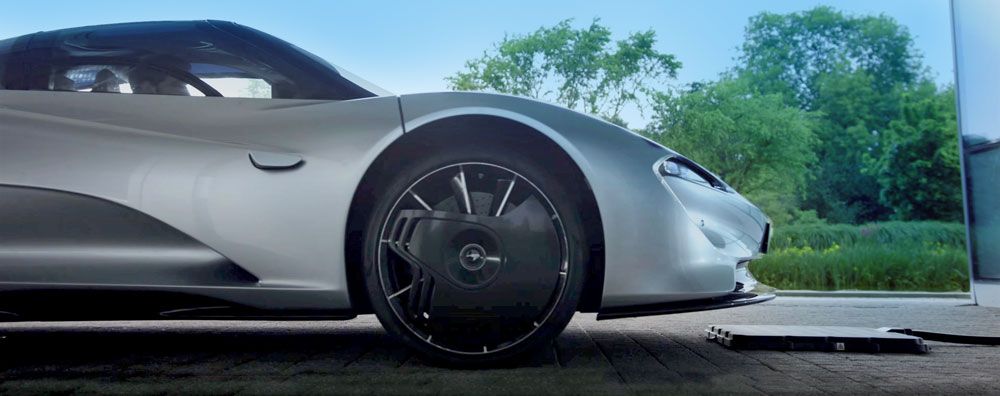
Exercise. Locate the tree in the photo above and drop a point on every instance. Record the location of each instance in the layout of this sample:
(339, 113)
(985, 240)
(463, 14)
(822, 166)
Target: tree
(578, 68)
(920, 176)
(851, 131)
(850, 71)
(789, 54)
(756, 143)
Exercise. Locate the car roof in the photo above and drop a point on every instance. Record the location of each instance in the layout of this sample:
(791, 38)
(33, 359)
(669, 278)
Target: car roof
(144, 26)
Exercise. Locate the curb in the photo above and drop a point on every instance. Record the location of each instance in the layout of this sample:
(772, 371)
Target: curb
(872, 294)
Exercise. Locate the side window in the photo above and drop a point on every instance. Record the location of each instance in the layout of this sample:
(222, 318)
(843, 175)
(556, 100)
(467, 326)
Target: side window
(90, 78)
(188, 58)
(231, 82)
(101, 78)
(167, 76)
(147, 80)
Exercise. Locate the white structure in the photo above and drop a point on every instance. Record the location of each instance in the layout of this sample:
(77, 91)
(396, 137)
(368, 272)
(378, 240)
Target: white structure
(976, 25)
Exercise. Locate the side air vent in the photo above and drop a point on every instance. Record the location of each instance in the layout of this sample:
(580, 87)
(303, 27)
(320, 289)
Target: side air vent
(58, 237)
(766, 239)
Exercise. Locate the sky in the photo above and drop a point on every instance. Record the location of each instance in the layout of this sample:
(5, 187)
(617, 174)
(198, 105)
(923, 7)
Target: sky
(411, 46)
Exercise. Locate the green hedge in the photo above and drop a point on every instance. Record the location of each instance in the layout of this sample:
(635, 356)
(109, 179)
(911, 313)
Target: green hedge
(914, 256)
(822, 236)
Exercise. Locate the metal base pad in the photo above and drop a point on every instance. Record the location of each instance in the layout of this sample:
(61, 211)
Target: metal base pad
(814, 338)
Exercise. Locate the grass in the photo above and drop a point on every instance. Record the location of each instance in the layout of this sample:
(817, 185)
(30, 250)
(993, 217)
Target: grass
(904, 256)
(822, 236)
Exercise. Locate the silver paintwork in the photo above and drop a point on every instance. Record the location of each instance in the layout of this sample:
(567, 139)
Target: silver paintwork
(655, 247)
(185, 161)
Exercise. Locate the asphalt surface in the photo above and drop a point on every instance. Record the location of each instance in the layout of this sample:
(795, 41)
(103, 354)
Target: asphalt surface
(665, 354)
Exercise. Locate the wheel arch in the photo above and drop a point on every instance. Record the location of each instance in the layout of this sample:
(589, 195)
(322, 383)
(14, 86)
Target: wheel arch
(433, 131)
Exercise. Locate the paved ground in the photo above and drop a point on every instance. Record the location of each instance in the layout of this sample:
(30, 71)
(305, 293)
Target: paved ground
(643, 355)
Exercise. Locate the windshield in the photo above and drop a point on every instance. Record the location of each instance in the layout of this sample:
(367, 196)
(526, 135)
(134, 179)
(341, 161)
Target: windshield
(292, 53)
(377, 90)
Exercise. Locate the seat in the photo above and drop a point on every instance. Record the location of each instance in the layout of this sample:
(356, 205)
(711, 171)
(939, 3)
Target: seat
(107, 82)
(63, 83)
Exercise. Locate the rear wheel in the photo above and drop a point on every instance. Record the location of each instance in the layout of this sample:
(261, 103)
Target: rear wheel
(475, 258)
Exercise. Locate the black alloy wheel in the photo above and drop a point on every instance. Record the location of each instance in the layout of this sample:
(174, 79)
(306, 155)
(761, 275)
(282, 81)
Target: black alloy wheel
(472, 261)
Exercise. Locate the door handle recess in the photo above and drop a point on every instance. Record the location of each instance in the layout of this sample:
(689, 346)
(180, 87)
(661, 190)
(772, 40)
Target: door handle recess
(265, 160)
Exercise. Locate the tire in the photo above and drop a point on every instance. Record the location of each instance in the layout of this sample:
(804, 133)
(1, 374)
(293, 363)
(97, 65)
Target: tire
(507, 288)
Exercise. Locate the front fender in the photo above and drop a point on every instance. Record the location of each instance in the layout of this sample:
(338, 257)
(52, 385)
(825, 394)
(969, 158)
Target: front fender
(653, 251)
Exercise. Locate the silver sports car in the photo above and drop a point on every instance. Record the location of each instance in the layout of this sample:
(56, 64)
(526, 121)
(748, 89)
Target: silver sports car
(205, 169)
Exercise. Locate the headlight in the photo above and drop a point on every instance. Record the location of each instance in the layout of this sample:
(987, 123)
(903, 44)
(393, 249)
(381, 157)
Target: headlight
(670, 168)
(677, 166)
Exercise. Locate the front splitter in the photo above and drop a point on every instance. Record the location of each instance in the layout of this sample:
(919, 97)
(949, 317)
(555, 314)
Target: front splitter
(730, 300)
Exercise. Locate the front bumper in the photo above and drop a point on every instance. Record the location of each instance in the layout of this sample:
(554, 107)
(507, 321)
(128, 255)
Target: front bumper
(746, 293)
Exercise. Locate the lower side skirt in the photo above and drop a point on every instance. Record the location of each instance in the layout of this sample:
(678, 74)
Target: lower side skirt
(87, 304)
(730, 300)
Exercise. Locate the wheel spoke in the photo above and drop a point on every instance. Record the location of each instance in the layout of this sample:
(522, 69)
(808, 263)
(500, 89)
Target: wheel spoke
(417, 283)
(401, 291)
(502, 194)
(419, 200)
(461, 190)
(424, 303)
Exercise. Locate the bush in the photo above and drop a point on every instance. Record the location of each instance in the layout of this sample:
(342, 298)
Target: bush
(822, 236)
(914, 256)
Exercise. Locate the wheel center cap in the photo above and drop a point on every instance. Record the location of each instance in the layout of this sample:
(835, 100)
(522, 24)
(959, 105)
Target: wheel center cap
(472, 257)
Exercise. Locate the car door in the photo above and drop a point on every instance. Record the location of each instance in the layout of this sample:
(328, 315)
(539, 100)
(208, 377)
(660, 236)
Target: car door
(179, 186)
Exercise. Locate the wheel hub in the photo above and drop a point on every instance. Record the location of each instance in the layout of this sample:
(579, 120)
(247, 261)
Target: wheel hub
(472, 257)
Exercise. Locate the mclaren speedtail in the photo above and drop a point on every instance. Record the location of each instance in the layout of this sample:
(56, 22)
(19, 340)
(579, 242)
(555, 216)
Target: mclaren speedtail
(185, 170)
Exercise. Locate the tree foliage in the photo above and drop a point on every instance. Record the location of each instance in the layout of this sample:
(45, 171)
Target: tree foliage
(579, 68)
(919, 173)
(790, 54)
(853, 73)
(851, 132)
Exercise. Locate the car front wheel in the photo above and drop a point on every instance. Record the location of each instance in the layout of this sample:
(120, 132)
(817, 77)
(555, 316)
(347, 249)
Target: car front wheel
(475, 258)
